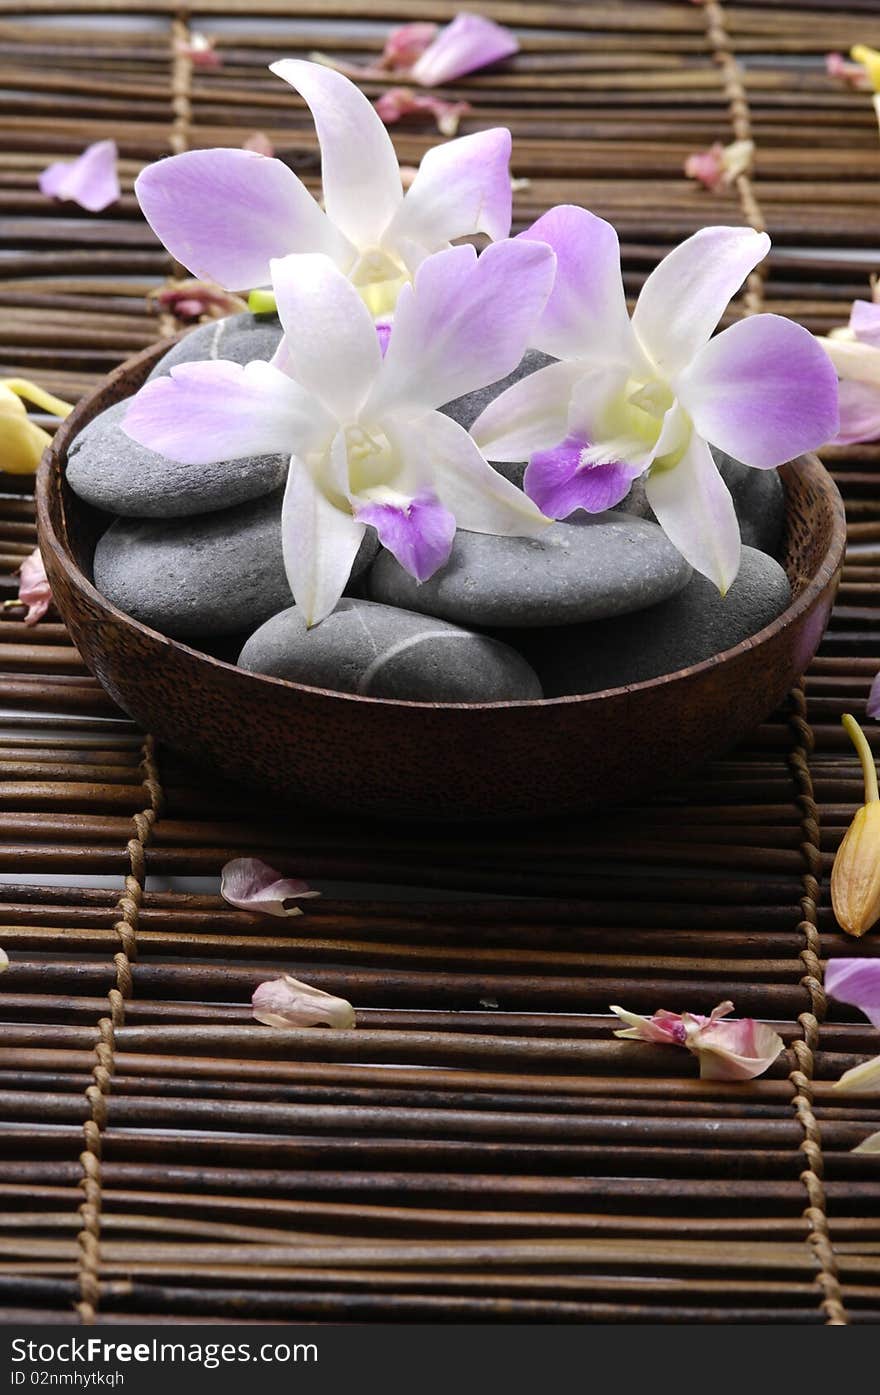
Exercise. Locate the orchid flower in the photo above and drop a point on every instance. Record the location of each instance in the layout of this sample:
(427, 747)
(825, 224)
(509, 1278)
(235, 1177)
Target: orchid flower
(22, 441)
(855, 353)
(430, 56)
(399, 102)
(252, 885)
(287, 1002)
(857, 981)
(367, 444)
(34, 590)
(226, 214)
(645, 397)
(726, 1050)
(90, 180)
(720, 165)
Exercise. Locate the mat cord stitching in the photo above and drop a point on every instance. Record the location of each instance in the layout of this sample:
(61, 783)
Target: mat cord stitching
(98, 1091)
(178, 139)
(815, 1214)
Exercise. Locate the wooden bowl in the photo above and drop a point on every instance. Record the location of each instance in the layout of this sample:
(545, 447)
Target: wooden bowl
(435, 761)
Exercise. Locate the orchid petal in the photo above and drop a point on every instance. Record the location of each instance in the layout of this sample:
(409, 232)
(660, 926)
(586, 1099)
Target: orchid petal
(34, 590)
(216, 410)
(419, 533)
(685, 296)
(464, 324)
(468, 43)
(408, 42)
(224, 214)
(330, 344)
(859, 405)
(461, 188)
(252, 885)
(862, 1079)
(561, 481)
(585, 316)
(659, 1029)
(399, 102)
(873, 704)
(864, 321)
(763, 391)
(856, 981)
(481, 499)
(694, 508)
(529, 416)
(287, 1002)
(740, 1049)
(90, 180)
(854, 361)
(362, 188)
(319, 541)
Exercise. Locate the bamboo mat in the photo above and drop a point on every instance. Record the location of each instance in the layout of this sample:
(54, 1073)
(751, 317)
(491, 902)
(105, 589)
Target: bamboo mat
(481, 1148)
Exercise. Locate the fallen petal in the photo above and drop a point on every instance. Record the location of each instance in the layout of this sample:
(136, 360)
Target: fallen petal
(468, 43)
(399, 102)
(286, 1002)
(855, 875)
(863, 1079)
(193, 299)
(252, 885)
(836, 66)
(4, 961)
(664, 1028)
(259, 143)
(870, 1145)
(732, 1049)
(864, 321)
(91, 180)
(200, 51)
(406, 44)
(873, 705)
(719, 166)
(33, 587)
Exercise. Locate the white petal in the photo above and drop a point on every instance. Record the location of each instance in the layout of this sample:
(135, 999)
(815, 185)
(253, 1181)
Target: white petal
(481, 499)
(217, 410)
(462, 187)
(330, 343)
(695, 511)
(320, 543)
(685, 296)
(464, 323)
(362, 188)
(531, 415)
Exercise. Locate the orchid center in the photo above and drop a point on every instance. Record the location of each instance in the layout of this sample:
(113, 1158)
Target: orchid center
(655, 398)
(372, 461)
(379, 277)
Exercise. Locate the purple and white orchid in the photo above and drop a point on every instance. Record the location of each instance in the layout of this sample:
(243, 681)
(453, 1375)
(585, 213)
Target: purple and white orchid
(855, 353)
(226, 214)
(367, 444)
(646, 396)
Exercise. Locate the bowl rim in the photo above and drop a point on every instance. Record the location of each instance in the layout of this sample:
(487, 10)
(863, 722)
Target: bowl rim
(53, 466)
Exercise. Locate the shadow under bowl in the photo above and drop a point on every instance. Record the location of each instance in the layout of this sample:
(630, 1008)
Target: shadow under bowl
(435, 761)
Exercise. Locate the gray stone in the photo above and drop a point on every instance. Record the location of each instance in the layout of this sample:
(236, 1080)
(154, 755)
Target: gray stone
(679, 632)
(378, 651)
(759, 499)
(466, 409)
(110, 470)
(595, 565)
(240, 338)
(218, 574)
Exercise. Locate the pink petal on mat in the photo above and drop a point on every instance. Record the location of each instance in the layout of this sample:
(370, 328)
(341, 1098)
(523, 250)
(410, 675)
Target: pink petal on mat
(91, 180)
(707, 167)
(406, 44)
(419, 533)
(399, 102)
(856, 981)
(252, 885)
(260, 144)
(191, 298)
(740, 1049)
(33, 587)
(200, 51)
(468, 43)
(287, 1002)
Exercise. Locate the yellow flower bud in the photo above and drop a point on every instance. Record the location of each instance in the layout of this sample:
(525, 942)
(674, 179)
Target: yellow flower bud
(22, 442)
(855, 877)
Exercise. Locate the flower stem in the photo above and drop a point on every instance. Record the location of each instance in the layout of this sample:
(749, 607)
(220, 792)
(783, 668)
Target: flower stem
(869, 769)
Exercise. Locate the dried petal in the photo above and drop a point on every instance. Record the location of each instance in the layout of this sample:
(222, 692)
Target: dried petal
(252, 885)
(407, 43)
(286, 1002)
(399, 102)
(200, 51)
(259, 143)
(720, 165)
(192, 299)
(726, 1050)
(855, 876)
(33, 587)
